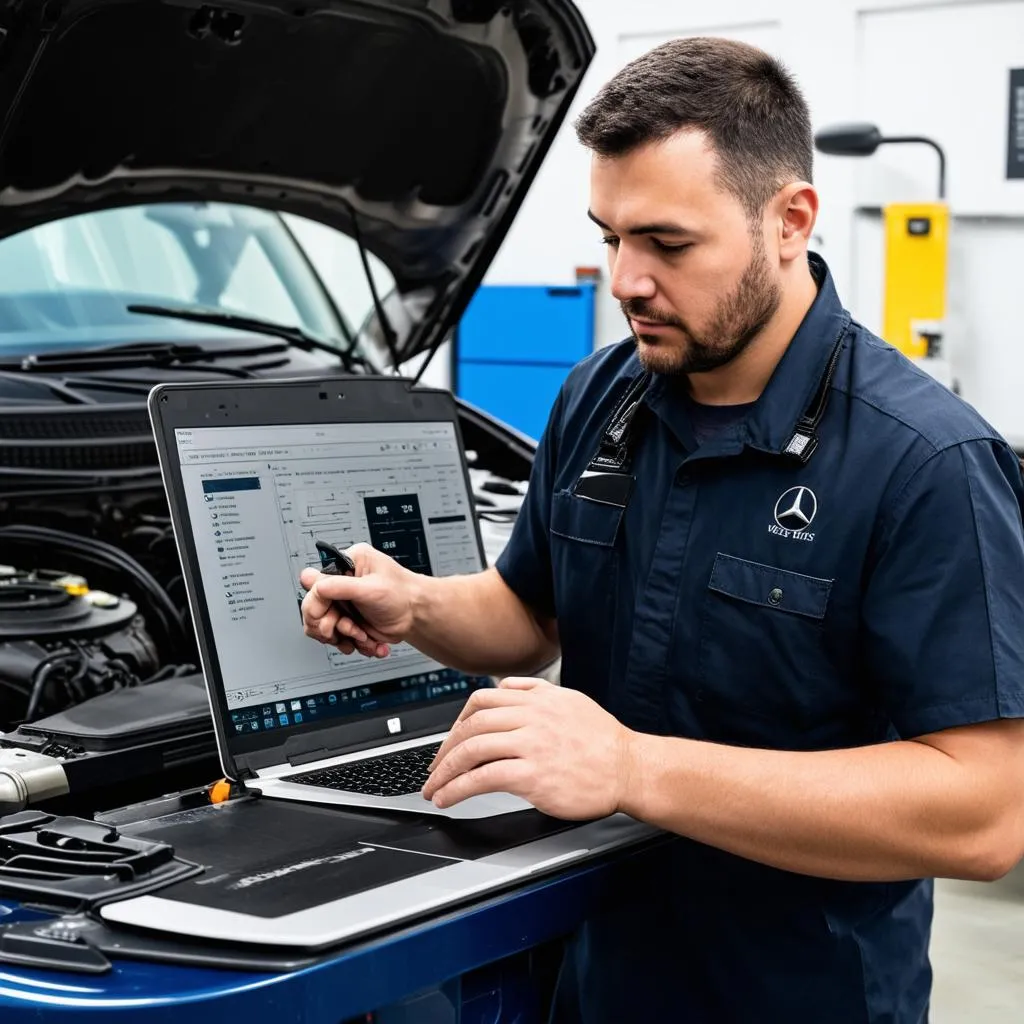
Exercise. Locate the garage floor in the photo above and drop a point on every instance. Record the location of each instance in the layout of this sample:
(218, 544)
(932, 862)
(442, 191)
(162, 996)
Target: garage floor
(978, 952)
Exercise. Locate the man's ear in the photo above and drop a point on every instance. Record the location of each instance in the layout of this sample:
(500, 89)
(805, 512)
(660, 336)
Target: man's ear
(795, 211)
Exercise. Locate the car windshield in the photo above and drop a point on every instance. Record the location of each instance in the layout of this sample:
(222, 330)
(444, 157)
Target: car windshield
(67, 284)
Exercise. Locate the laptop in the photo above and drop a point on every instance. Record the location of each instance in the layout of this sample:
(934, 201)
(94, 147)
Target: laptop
(256, 473)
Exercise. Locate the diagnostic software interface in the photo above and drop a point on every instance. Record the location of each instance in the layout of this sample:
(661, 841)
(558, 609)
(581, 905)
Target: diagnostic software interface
(260, 497)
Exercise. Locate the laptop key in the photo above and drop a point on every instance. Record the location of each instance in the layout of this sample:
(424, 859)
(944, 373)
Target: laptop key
(397, 774)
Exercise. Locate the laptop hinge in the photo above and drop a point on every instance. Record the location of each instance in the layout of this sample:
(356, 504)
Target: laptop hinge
(244, 771)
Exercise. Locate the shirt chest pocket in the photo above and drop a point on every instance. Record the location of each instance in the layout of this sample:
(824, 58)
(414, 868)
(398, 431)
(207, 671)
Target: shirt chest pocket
(765, 672)
(584, 565)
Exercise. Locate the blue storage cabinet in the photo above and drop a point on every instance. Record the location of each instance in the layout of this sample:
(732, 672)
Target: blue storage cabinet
(515, 346)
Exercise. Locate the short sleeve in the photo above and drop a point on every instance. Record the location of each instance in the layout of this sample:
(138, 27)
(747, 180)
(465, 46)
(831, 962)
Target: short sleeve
(944, 603)
(525, 563)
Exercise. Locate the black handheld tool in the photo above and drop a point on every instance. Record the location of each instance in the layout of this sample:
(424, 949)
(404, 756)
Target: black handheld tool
(336, 563)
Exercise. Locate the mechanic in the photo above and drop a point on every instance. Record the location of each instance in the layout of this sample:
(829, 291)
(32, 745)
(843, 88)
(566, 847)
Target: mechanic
(785, 570)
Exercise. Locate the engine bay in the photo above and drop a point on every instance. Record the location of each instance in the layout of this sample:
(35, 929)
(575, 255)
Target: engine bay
(62, 642)
(81, 615)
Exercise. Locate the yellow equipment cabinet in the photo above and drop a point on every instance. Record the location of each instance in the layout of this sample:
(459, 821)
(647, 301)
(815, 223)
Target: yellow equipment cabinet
(916, 254)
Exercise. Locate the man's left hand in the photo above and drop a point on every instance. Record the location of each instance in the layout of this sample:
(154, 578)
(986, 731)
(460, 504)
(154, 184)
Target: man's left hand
(554, 747)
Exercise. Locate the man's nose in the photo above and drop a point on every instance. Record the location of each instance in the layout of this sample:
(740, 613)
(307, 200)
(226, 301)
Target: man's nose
(629, 278)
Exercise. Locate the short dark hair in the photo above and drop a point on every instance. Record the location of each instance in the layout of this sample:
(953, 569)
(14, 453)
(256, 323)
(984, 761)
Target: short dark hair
(745, 101)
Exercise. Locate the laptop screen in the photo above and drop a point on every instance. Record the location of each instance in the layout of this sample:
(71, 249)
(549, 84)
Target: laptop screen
(259, 497)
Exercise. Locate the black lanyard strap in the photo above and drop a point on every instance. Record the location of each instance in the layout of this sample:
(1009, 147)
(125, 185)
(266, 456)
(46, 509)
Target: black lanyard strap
(804, 441)
(615, 450)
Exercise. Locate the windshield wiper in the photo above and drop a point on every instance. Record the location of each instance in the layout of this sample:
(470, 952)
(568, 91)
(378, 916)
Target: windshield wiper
(237, 321)
(68, 394)
(136, 356)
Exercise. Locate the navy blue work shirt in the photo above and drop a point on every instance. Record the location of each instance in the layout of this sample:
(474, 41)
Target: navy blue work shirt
(875, 592)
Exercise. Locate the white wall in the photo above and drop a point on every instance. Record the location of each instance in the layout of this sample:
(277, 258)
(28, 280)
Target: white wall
(913, 67)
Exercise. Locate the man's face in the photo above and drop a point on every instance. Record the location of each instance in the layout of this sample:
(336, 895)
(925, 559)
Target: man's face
(694, 278)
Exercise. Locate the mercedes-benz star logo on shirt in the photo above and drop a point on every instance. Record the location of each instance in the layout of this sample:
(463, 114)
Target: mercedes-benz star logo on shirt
(796, 509)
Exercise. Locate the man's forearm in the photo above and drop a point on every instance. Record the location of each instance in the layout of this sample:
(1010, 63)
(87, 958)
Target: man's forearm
(477, 624)
(894, 811)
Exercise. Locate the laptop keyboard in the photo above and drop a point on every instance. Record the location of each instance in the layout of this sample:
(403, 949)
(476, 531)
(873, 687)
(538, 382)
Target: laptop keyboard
(395, 774)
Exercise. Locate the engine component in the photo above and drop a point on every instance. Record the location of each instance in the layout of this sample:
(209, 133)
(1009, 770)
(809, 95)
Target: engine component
(62, 642)
(28, 778)
(48, 605)
(123, 746)
(114, 568)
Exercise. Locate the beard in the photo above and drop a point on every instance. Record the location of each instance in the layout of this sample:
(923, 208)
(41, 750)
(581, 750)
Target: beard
(737, 320)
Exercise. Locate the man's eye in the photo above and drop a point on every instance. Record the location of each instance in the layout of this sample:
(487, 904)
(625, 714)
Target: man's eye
(665, 247)
(610, 240)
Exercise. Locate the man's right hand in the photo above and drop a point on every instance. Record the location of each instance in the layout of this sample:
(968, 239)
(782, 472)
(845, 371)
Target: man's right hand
(381, 590)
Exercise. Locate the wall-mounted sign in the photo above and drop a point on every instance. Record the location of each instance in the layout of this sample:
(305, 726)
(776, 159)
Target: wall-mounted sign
(1015, 144)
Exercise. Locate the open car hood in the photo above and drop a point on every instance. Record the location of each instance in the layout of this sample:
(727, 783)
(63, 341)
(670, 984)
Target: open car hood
(415, 125)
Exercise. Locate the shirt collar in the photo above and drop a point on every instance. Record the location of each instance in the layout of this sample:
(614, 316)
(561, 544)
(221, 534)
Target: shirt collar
(774, 416)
